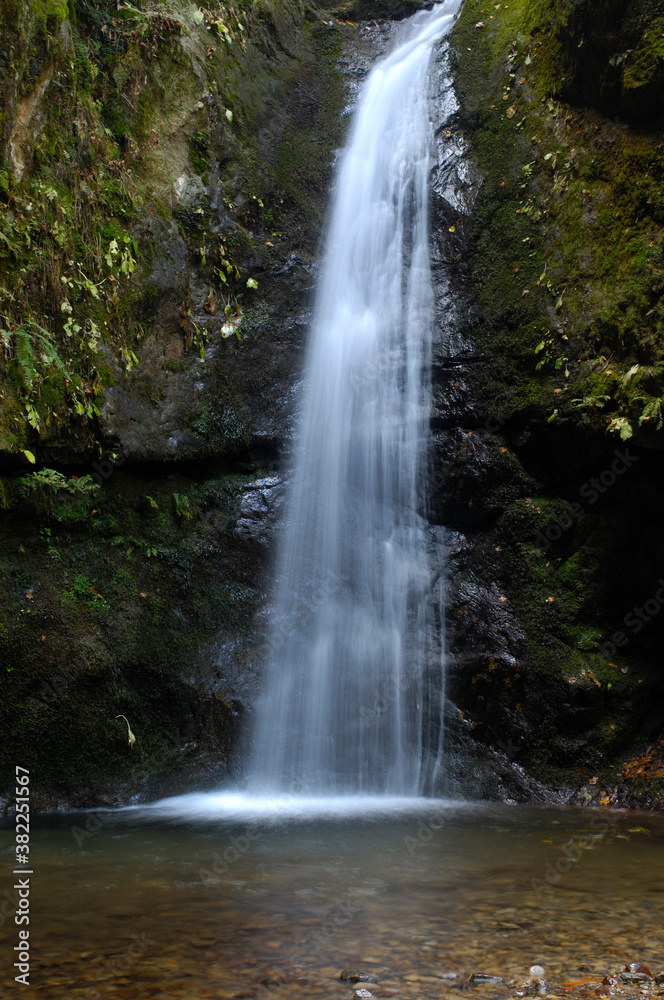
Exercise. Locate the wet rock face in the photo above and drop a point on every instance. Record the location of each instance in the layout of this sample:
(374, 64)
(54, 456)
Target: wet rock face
(477, 475)
(230, 393)
(262, 504)
(236, 396)
(531, 678)
(486, 632)
(541, 525)
(487, 650)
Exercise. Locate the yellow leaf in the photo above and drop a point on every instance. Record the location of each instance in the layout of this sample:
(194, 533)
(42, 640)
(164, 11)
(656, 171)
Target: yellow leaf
(131, 739)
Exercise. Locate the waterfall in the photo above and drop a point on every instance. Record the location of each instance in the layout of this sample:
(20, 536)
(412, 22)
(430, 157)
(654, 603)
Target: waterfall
(354, 673)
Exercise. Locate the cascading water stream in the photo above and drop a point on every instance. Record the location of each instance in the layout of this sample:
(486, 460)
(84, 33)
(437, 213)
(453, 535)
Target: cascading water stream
(354, 679)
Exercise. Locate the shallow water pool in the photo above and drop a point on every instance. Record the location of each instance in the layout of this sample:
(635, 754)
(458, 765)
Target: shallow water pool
(203, 898)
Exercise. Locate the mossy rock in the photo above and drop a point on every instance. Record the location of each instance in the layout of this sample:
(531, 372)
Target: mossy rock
(643, 76)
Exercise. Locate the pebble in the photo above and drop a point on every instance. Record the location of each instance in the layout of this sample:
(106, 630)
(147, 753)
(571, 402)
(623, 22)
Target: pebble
(203, 941)
(357, 976)
(362, 994)
(634, 978)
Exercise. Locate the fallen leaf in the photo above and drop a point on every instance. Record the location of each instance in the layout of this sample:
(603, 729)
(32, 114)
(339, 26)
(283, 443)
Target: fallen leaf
(131, 739)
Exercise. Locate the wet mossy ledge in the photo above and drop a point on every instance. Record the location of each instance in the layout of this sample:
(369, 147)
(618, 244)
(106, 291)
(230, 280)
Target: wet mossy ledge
(555, 619)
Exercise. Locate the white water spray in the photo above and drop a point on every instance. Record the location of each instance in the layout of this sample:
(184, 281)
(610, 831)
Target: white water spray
(354, 680)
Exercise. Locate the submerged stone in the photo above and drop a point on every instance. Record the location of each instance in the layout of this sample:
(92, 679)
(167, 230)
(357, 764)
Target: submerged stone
(357, 976)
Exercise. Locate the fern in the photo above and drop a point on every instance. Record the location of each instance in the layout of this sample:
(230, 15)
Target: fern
(34, 351)
(43, 340)
(653, 411)
(55, 481)
(25, 358)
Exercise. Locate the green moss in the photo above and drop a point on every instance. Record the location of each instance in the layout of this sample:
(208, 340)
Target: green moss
(199, 148)
(645, 64)
(567, 231)
(55, 11)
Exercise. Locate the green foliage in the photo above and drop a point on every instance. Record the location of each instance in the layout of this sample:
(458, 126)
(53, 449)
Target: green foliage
(85, 591)
(30, 358)
(56, 482)
(182, 506)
